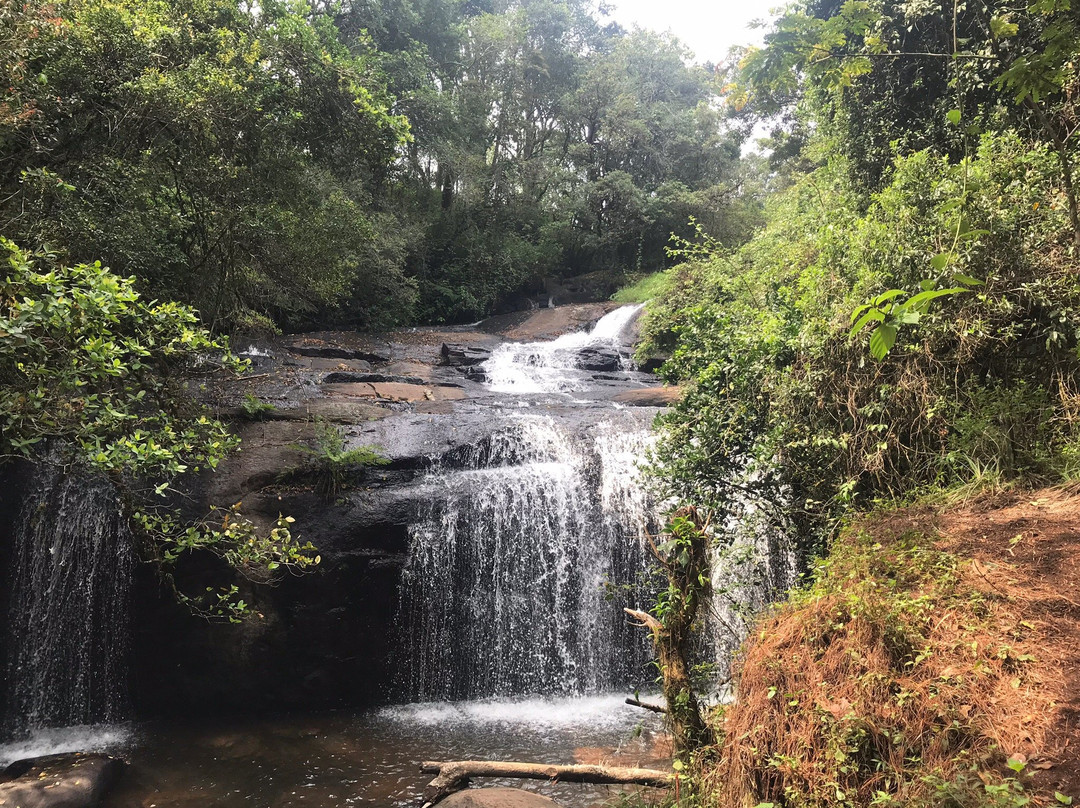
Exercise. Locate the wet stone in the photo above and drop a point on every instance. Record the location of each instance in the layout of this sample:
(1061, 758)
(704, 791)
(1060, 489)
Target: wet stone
(464, 355)
(59, 781)
(497, 798)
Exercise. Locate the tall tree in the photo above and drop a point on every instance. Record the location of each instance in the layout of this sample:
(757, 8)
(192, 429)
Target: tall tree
(225, 153)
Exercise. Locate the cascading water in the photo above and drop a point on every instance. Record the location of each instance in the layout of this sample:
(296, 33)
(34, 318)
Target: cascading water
(68, 621)
(514, 580)
(554, 367)
(752, 567)
(531, 542)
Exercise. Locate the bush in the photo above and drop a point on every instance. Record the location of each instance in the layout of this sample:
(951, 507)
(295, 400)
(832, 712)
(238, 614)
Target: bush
(776, 384)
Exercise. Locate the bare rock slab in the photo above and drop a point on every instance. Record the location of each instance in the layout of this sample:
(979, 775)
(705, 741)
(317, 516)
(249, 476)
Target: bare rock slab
(649, 397)
(496, 798)
(59, 781)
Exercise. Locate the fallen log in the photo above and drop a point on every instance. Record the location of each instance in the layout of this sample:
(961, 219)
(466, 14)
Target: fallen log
(454, 775)
(656, 708)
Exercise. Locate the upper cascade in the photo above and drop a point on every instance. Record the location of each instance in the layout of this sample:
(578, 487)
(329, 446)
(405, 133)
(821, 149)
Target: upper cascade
(557, 366)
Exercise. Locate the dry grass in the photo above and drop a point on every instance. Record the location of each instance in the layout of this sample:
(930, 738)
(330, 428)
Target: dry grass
(908, 674)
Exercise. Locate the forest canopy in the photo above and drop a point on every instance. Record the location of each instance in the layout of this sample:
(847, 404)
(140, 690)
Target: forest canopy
(278, 165)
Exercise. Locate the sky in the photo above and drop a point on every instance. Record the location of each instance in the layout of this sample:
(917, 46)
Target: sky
(707, 27)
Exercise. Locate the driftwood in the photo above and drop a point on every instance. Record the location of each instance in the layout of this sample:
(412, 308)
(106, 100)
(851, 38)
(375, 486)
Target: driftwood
(644, 705)
(454, 775)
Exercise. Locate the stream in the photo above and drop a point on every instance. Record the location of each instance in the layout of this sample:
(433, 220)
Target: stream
(371, 758)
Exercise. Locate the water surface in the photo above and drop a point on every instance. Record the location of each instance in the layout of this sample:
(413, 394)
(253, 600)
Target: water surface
(369, 759)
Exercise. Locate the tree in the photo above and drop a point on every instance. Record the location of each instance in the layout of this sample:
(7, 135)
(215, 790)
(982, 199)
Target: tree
(885, 76)
(684, 557)
(226, 155)
(90, 370)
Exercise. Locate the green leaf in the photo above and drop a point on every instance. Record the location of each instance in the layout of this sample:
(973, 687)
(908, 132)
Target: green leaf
(885, 297)
(1064, 799)
(882, 340)
(1001, 28)
(941, 260)
(872, 315)
(859, 310)
(967, 280)
(1016, 764)
(920, 301)
(908, 317)
(953, 116)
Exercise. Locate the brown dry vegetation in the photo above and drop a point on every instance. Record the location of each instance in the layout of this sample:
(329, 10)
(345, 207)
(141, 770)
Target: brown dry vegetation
(934, 646)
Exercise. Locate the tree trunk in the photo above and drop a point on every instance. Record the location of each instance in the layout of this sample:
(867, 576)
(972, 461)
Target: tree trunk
(687, 570)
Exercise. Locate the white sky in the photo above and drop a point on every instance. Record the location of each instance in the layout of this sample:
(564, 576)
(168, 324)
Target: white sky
(707, 28)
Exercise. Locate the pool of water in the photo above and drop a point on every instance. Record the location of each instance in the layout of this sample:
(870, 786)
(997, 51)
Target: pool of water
(338, 759)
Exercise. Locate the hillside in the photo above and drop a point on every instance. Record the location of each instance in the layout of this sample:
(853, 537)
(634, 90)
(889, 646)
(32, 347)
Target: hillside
(934, 660)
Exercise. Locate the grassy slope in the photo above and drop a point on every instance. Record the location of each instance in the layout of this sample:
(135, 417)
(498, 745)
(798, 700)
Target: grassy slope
(932, 648)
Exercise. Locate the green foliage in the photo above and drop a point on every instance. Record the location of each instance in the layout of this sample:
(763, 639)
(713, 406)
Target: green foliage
(86, 362)
(879, 73)
(642, 290)
(255, 410)
(982, 379)
(286, 165)
(86, 365)
(223, 154)
(682, 553)
(332, 464)
(260, 556)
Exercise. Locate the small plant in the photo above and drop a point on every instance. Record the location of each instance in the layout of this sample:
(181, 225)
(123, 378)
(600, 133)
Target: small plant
(332, 464)
(255, 410)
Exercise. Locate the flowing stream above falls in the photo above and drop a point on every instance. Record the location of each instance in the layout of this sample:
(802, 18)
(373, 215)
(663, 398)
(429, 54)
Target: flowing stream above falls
(531, 541)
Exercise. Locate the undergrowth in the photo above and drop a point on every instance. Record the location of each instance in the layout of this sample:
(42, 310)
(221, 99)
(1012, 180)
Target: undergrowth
(333, 467)
(643, 289)
(879, 684)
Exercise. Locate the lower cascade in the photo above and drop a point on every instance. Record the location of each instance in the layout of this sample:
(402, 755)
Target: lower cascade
(68, 619)
(520, 565)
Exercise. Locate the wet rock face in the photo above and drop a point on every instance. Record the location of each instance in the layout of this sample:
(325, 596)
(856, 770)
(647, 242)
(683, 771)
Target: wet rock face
(602, 360)
(464, 355)
(59, 781)
(323, 639)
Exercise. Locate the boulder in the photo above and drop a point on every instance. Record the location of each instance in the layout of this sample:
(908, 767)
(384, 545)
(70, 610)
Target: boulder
(350, 378)
(463, 355)
(59, 781)
(496, 798)
(337, 352)
(603, 360)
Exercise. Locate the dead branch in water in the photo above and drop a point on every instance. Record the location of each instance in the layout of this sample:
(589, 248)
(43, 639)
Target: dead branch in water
(454, 775)
(656, 708)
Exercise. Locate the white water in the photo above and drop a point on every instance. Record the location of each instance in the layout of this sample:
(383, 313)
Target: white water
(54, 741)
(504, 590)
(554, 366)
(531, 714)
(68, 620)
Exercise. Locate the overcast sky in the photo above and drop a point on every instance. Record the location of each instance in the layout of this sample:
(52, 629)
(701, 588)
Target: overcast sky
(707, 27)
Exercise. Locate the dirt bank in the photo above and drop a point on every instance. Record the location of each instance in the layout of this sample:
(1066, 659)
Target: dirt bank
(934, 661)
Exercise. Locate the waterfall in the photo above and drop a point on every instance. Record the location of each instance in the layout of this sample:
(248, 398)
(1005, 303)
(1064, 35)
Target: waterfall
(554, 366)
(530, 542)
(753, 566)
(68, 621)
(521, 564)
